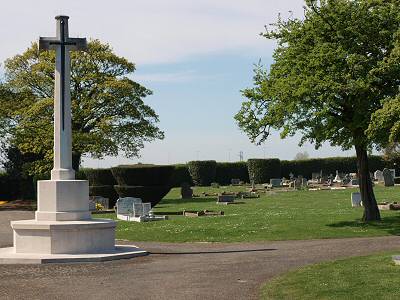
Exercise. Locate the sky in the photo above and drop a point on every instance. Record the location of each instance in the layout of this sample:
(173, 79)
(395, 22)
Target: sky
(196, 57)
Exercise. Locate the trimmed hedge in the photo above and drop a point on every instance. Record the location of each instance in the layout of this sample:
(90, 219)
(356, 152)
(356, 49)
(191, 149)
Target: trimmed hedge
(80, 175)
(152, 194)
(330, 165)
(180, 175)
(148, 182)
(9, 187)
(143, 175)
(100, 177)
(262, 170)
(106, 191)
(203, 172)
(227, 171)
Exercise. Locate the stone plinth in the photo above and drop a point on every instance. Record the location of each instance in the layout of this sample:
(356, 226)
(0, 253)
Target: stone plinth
(63, 200)
(63, 237)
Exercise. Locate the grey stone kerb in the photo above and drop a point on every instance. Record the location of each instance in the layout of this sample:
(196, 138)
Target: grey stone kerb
(62, 44)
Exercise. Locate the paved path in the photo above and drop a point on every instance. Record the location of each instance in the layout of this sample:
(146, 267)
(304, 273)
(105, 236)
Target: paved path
(175, 271)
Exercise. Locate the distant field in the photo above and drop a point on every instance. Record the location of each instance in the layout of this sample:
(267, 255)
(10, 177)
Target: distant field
(279, 216)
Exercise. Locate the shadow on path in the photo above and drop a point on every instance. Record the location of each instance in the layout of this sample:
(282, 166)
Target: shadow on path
(212, 252)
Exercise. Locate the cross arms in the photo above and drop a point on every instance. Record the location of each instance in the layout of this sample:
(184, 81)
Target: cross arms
(49, 43)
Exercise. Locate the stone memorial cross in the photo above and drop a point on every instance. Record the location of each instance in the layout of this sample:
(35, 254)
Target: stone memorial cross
(62, 44)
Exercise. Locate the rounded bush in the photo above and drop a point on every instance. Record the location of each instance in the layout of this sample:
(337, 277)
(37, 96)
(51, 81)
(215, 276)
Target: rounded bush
(99, 177)
(151, 194)
(143, 175)
(106, 191)
(203, 172)
(262, 170)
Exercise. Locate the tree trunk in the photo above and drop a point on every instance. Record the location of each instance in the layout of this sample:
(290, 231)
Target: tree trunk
(371, 211)
(76, 160)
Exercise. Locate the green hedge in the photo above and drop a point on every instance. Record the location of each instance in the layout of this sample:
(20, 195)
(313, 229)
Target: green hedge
(180, 175)
(262, 170)
(151, 194)
(143, 175)
(9, 187)
(227, 171)
(100, 177)
(203, 172)
(80, 175)
(330, 165)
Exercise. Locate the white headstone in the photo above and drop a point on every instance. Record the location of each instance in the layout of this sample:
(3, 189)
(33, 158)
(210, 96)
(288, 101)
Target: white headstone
(378, 175)
(125, 206)
(355, 199)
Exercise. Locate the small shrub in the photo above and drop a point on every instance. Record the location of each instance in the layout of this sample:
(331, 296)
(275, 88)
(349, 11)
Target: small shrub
(202, 172)
(262, 170)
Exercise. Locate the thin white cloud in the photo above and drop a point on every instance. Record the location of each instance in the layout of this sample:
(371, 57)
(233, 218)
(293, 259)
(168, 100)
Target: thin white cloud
(147, 32)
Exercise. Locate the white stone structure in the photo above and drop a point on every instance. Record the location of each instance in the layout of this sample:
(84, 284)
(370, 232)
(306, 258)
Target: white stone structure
(132, 209)
(63, 230)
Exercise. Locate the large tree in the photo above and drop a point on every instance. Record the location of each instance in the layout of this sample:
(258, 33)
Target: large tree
(332, 70)
(109, 116)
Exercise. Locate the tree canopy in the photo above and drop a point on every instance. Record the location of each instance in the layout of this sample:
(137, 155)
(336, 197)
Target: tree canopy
(332, 70)
(109, 116)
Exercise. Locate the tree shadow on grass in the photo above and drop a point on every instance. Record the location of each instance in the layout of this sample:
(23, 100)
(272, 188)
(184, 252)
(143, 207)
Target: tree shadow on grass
(390, 225)
(169, 213)
(184, 201)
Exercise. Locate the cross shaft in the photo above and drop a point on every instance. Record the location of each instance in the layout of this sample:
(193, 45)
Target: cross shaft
(62, 44)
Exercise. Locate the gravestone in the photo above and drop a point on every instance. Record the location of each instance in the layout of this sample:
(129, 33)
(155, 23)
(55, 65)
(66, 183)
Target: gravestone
(186, 191)
(355, 199)
(224, 199)
(125, 205)
(378, 175)
(235, 181)
(275, 182)
(132, 209)
(337, 178)
(388, 177)
(354, 181)
(315, 176)
(93, 200)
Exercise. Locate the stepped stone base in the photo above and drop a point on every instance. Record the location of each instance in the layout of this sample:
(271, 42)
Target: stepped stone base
(8, 256)
(63, 230)
(55, 237)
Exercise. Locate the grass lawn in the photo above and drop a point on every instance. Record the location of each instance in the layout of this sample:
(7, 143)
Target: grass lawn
(367, 277)
(279, 216)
